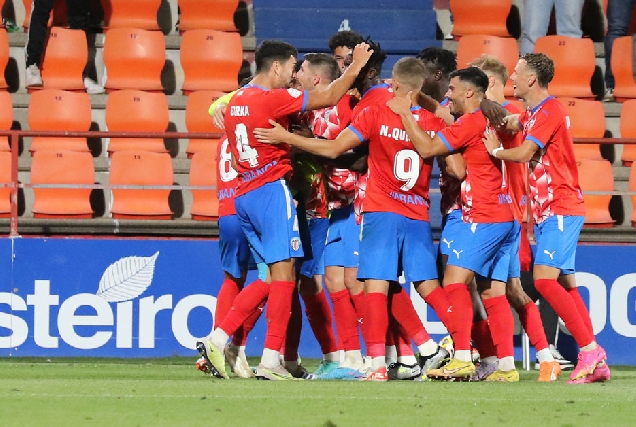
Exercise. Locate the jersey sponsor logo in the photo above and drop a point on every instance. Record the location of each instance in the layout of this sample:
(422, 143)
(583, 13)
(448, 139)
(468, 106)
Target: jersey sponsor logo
(227, 193)
(505, 199)
(250, 175)
(409, 199)
(239, 111)
(295, 243)
(295, 93)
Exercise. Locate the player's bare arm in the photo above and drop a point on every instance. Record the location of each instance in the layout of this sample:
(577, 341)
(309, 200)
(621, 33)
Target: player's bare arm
(499, 116)
(218, 118)
(455, 165)
(320, 147)
(520, 154)
(422, 141)
(339, 87)
(430, 104)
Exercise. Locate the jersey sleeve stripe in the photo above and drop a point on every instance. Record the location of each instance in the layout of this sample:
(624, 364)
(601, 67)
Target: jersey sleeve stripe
(305, 95)
(357, 132)
(536, 141)
(445, 141)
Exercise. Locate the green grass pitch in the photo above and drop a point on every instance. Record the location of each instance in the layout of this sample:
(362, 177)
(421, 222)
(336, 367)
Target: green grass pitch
(170, 392)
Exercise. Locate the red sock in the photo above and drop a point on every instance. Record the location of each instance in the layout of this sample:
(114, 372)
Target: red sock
(294, 328)
(580, 306)
(248, 300)
(319, 316)
(462, 312)
(401, 338)
(531, 321)
(566, 308)
(224, 300)
(483, 339)
(359, 303)
(401, 307)
(346, 320)
(279, 306)
(240, 336)
(502, 325)
(377, 322)
(438, 300)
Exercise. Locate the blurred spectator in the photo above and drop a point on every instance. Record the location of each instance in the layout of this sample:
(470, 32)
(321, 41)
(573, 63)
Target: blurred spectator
(536, 20)
(619, 15)
(78, 18)
(8, 17)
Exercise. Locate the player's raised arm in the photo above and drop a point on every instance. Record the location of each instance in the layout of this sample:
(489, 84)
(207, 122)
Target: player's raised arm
(336, 90)
(320, 147)
(422, 141)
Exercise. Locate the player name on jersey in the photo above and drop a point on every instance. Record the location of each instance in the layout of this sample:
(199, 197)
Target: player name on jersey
(397, 133)
(239, 111)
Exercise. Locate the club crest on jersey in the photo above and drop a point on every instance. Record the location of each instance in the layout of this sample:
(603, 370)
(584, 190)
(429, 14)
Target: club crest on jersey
(295, 93)
(530, 123)
(295, 243)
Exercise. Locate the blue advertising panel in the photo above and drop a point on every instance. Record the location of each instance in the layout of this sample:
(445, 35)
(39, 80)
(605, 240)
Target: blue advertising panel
(156, 297)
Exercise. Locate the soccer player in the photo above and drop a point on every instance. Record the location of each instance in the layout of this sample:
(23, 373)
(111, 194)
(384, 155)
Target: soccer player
(341, 45)
(263, 200)
(515, 182)
(482, 248)
(557, 203)
(395, 222)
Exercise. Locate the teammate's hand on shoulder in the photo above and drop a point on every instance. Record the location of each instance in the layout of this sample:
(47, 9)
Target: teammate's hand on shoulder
(401, 105)
(494, 112)
(219, 116)
(490, 139)
(274, 135)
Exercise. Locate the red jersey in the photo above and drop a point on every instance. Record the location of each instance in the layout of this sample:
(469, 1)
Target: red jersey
(553, 179)
(451, 190)
(252, 107)
(226, 178)
(398, 176)
(483, 198)
(515, 173)
(379, 94)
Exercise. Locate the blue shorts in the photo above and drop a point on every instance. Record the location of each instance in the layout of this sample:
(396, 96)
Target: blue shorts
(390, 241)
(235, 251)
(343, 239)
(268, 218)
(452, 226)
(318, 235)
(483, 248)
(557, 238)
(514, 270)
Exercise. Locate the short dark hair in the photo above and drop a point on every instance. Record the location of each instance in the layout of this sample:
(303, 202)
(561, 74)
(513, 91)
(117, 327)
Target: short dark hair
(542, 65)
(327, 64)
(441, 59)
(345, 38)
(410, 72)
(474, 76)
(377, 58)
(270, 51)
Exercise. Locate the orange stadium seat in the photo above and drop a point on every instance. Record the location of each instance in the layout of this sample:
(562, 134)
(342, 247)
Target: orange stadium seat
(59, 110)
(141, 168)
(480, 17)
(622, 64)
(574, 64)
(58, 14)
(628, 130)
(472, 46)
(198, 120)
(205, 203)
(207, 14)
(6, 118)
(62, 167)
(134, 59)
(5, 178)
(587, 120)
(596, 175)
(4, 56)
(211, 60)
(140, 14)
(137, 111)
(64, 59)
(632, 187)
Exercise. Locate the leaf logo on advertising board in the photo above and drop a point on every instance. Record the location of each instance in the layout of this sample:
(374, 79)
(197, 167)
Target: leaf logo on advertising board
(127, 278)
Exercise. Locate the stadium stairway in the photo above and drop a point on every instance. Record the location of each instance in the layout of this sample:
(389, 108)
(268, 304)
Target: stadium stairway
(172, 79)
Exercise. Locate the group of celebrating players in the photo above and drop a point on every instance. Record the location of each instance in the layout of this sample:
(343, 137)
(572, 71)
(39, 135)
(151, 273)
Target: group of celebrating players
(323, 179)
